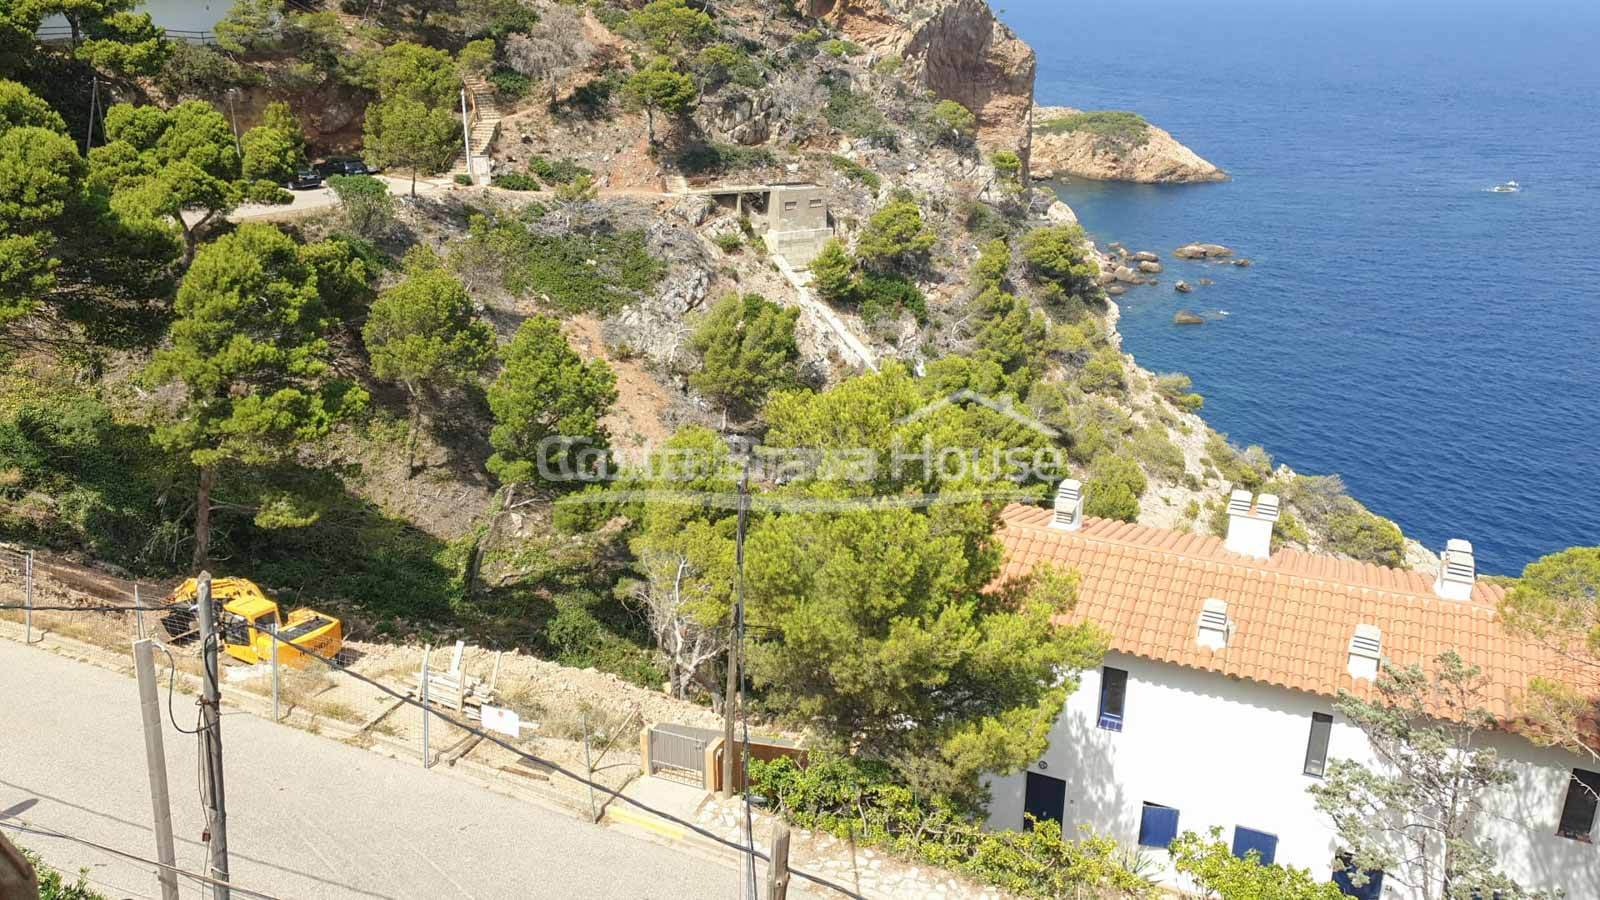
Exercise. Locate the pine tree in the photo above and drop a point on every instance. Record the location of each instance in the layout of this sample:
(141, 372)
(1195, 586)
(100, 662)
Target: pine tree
(423, 334)
(547, 404)
(249, 350)
(747, 349)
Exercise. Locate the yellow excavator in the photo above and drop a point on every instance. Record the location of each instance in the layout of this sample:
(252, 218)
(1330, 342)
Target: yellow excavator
(247, 620)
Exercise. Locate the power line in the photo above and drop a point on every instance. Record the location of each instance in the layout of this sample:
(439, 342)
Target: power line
(493, 739)
(52, 833)
(562, 770)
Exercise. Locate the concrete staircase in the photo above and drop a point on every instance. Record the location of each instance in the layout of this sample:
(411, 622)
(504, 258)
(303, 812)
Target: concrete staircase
(484, 127)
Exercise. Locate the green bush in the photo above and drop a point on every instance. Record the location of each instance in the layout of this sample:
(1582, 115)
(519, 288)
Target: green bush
(840, 49)
(1174, 386)
(729, 242)
(861, 801)
(856, 172)
(510, 84)
(54, 886)
(1103, 373)
(367, 203)
(1124, 128)
(577, 272)
(1216, 871)
(1158, 453)
(858, 116)
(462, 178)
(709, 159)
(1114, 487)
(954, 123)
(886, 296)
(515, 181)
(562, 171)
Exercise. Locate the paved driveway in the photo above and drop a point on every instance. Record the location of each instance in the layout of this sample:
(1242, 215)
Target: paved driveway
(307, 816)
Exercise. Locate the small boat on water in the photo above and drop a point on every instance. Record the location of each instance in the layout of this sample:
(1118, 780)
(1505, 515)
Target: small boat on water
(1510, 187)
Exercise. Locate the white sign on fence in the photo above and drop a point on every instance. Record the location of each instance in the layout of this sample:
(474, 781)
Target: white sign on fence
(505, 721)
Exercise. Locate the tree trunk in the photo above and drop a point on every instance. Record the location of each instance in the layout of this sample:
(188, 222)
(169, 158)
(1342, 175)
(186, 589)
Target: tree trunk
(413, 182)
(650, 125)
(202, 520)
(411, 434)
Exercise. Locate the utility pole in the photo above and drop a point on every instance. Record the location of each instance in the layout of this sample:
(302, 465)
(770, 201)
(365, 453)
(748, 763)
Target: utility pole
(730, 702)
(211, 741)
(778, 864)
(155, 758)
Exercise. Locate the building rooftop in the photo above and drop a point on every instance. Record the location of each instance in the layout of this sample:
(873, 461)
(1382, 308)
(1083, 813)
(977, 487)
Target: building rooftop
(1292, 615)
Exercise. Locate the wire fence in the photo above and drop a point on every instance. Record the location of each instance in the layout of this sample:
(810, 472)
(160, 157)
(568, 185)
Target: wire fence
(445, 702)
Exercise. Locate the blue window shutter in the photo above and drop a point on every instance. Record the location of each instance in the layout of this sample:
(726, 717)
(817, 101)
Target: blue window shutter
(1158, 825)
(1372, 890)
(1247, 839)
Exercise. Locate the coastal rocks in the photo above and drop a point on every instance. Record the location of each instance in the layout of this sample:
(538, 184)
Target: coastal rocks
(1202, 251)
(1242, 262)
(1155, 157)
(1149, 266)
(1117, 290)
(1145, 256)
(1060, 214)
(1185, 317)
(1204, 282)
(1183, 287)
(1127, 275)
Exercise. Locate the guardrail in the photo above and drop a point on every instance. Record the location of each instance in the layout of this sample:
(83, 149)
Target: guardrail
(62, 34)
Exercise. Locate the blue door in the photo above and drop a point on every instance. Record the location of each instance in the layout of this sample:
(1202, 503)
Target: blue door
(1045, 798)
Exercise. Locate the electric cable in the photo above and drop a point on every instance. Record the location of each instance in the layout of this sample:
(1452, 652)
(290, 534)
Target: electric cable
(559, 769)
(203, 879)
(464, 726)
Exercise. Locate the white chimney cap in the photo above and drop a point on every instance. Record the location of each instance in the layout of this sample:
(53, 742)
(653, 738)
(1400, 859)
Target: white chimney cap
(1250, 523)
(1213, 629)
(1069, 505)
(1366, 650)
(1458, 571)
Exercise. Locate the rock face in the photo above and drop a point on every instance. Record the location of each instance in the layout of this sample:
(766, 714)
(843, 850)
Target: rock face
(1184, 317)
(1160, 159)
(1183, 287)
(1149, 266)
(958, 50)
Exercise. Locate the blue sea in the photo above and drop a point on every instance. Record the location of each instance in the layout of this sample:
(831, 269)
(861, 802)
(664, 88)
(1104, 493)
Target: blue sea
(1435, 344)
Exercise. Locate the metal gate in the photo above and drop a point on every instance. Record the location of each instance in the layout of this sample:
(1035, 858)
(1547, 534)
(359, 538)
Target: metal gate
(679, 751)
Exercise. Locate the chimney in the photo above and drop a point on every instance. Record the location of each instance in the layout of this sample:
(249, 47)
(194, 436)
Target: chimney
(1458, 571)
(1214, 627)
(1250, 525)
(1366, 648)
(1069, 506)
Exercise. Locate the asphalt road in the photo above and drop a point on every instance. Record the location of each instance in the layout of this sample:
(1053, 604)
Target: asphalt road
(307, 816)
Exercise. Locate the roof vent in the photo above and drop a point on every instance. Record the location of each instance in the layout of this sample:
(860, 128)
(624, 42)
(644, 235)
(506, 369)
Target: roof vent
(1069, 506)
(1250, 523)
(1366, 649)
(1458, 571)
(1214, 628)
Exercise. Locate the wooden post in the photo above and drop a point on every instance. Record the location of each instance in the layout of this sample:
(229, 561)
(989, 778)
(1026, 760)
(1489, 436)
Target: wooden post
(155, 758)
(778, 866)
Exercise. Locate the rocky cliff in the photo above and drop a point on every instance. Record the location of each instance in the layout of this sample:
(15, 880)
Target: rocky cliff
(1060, 149)
(955, 48)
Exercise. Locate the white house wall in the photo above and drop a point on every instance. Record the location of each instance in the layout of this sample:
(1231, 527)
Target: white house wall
(1228, 752)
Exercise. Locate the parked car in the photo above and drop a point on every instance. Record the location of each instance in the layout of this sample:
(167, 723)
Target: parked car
(344, 166)
(305, 180)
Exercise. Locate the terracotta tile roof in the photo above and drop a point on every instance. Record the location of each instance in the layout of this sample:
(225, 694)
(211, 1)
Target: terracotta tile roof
(1293, 615)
